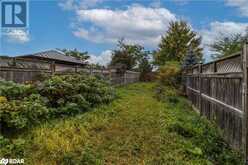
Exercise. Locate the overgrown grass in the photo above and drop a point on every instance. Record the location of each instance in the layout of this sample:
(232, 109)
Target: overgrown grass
(134, 129)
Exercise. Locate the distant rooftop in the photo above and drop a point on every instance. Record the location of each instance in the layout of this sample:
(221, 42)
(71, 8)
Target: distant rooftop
(54, 55)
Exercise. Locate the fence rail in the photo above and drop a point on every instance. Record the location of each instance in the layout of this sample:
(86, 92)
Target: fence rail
(218, 90)
(22, 70)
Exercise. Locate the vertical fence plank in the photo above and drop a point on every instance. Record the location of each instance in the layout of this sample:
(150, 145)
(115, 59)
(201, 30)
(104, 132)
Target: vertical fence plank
(200, 88)
(244, 102)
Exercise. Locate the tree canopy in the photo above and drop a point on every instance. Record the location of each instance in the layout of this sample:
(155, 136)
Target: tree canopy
(227, 45)
(190, 59)
(77, 54)
(176, 42)
(132, 57)
(127, 55)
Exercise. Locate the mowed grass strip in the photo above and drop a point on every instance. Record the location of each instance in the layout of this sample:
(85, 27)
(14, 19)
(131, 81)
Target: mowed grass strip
(134, 129)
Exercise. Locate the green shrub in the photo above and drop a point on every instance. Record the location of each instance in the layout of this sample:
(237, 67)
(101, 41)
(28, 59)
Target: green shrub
(11, 148)
(166, 93)
(61, 89)
(11, 90)
(24, 105)
(55, 89)
(169, 74)
(168, 82)
(18, 114)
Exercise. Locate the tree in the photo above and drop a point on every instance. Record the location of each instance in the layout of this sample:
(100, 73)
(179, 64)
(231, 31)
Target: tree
(145, 66)
(132, 57)
(126, 55)
(176, 42)
(97, 66)
(190, 59)
(227, 45)
(77, 54)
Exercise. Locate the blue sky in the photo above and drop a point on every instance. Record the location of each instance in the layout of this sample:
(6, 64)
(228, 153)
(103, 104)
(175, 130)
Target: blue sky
(96, 25)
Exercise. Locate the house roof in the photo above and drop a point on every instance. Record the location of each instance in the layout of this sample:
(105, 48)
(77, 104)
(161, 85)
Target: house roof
(56, 56)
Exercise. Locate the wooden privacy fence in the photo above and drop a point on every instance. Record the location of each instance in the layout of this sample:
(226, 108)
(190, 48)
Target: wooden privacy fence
(22, 70)
(218, 90)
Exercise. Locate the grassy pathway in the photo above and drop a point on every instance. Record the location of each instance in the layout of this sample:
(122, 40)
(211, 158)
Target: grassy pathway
(134, 129)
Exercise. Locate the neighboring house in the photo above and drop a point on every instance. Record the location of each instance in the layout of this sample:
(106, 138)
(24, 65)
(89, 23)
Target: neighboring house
(60, 61)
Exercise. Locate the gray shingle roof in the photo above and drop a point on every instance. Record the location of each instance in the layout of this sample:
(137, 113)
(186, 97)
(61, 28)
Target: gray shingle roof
(55, 55)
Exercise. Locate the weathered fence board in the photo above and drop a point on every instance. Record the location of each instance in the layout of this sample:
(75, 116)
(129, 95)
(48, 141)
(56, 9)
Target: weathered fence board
(218, 90)
(25, 70)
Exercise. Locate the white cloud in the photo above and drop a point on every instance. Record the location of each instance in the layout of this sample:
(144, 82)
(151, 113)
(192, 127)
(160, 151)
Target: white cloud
(219, 29)
(142, 25)
(18, 36)
(137, 24)
(103, 59)
(242, 5)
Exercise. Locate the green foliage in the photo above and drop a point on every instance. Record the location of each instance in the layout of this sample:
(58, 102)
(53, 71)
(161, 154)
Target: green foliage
(169, 73)
(131, 56)
(190, 59)
(22, 106)
(83, 56)
(145, 67)
(176, 42)
(11, 90)
(134, 129)
(56, 96)
(227, 45)
(201, 137)
(86, 157)
(81, 89)
(125, 55)
(18, 114)
(12, 148)
(168, 77)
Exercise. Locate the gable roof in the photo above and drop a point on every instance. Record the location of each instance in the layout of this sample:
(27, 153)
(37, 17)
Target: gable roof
(56, 56)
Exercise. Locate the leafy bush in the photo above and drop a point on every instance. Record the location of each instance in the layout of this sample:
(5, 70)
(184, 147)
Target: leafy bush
(168, 78)
(76, 88)
(17, 114)
(14, 148)
(24, 105)
(163, 93)
(169, 74)
(11, 90)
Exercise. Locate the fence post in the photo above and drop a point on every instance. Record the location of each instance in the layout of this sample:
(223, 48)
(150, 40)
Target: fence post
(244, 102)
(125, 77)
(110, 76)
(200, 87)
(215, 67)
(76, 69)
(52, 66)
(91, 70)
